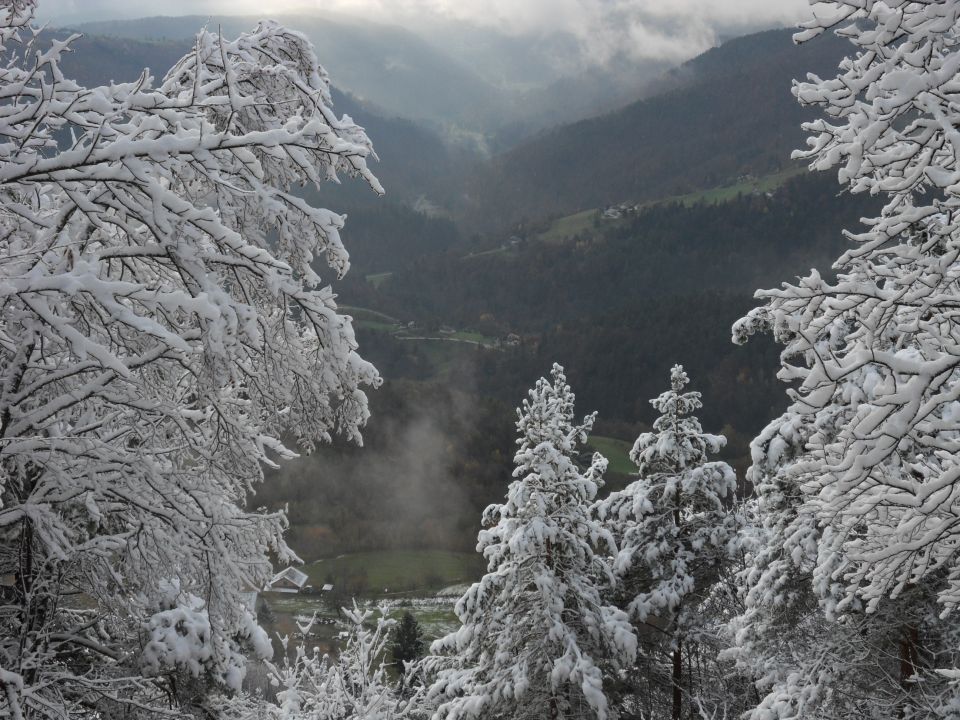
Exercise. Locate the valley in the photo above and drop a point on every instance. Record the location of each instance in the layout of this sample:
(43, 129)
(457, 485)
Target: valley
(552, 361)
(616, 244)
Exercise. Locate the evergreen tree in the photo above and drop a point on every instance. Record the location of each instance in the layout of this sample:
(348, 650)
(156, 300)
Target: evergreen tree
(408, 644)
(674, 526)
(535, 633)
(808, 662)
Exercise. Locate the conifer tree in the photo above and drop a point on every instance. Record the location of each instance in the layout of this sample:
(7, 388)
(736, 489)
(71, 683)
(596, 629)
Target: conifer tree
(674, 526)
(408, 645)
(535, 633)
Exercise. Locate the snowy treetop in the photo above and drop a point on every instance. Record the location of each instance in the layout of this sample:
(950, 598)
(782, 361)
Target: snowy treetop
(677, 440)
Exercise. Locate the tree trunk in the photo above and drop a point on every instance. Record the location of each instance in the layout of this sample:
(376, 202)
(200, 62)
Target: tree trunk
(554, 705)
(677, 680)
(678, 650)
(909, 662)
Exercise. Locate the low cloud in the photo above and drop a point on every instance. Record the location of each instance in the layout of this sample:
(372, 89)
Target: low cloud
(604, 29)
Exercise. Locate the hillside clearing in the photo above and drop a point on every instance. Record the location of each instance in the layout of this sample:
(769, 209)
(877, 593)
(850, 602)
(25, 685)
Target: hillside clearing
(586, 222)
(616, 451)
(393, 572)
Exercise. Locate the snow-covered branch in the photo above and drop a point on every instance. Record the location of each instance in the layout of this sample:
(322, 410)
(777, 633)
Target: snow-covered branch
(163, 323)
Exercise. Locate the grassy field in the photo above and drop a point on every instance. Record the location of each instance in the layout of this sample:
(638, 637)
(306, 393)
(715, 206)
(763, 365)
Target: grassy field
(502, 250)
(435, 620)
(582, 223)
(381, 322)
(400, 580)
(435, 617)
(370, 319)
(473, 337)
(713, 196)
(570, 226)
(393, 572)
(377, 325)
(616, 451)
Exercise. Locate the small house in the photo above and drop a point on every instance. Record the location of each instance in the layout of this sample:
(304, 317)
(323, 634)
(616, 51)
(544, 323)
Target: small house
(290, 580)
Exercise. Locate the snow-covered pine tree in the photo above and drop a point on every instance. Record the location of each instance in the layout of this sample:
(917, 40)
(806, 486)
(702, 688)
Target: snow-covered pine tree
(674, 526)
(535, 633)
(858, 479)
(161, 326)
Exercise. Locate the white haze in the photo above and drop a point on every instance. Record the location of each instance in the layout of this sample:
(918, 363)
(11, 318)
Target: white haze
(639, 29)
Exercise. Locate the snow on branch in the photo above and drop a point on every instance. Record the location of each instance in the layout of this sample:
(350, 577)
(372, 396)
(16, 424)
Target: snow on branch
(165, 319)
(854, 580)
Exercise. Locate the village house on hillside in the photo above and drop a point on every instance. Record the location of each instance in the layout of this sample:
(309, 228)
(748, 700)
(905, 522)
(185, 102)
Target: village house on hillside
(615, 212)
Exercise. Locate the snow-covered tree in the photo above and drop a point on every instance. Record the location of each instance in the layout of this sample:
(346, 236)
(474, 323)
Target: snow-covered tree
(807, 662)
(875, 352)
(858, 479)
(162, 324)
(353, 686)
(535, 633)
(674, 526)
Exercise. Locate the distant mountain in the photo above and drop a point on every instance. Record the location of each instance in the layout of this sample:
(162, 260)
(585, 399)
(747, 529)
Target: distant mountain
(569, 98)
(416, 166)
(723, 114)
(458, 76)
(545, 78)
(100, 60)
(383, 65)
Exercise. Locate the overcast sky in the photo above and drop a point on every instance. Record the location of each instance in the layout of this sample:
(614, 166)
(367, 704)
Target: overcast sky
(671, 29)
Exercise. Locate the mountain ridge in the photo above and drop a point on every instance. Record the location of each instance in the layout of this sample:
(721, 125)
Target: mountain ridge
(502, 88)
(725, 113)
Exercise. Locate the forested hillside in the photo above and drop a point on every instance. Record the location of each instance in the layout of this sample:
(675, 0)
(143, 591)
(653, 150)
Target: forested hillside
(618, 302)
(616, 305)
(722, 115)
